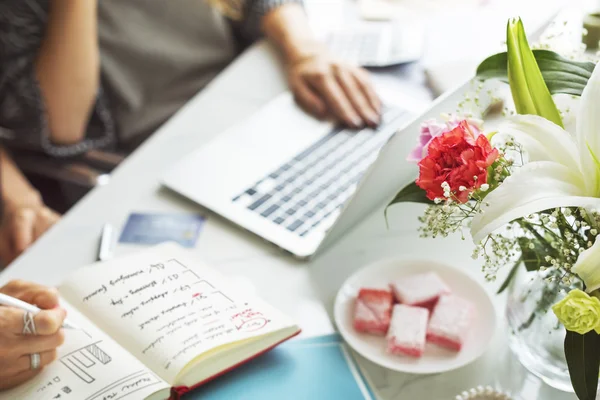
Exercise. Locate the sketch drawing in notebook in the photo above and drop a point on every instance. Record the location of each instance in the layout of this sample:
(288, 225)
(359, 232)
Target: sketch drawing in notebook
(154, 325)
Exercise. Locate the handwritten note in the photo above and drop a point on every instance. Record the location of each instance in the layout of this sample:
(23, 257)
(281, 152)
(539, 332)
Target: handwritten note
(90, 366)
(164, 312)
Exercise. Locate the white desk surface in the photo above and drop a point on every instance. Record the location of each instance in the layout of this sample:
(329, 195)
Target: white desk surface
(303, 290)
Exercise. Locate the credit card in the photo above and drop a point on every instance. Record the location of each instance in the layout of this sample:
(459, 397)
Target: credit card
(150, 229)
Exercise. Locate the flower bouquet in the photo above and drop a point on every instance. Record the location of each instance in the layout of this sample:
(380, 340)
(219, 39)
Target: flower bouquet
(529, 190)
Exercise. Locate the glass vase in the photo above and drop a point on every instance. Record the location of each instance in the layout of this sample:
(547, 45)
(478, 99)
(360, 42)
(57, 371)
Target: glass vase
(535, 335)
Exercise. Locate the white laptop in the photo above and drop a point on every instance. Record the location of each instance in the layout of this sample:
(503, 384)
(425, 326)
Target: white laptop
(298, 182)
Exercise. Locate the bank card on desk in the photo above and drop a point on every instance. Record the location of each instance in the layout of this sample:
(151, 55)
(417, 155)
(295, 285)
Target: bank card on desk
(155, 228)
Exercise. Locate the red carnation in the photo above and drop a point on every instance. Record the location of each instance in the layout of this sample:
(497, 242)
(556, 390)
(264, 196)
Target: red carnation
(459, 158)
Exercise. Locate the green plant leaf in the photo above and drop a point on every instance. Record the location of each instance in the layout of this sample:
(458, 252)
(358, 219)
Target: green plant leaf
(536, 257)
(510, 276)
(529, 91)
(583, 358)
(411, 194)
(560, 74)
(516, 71)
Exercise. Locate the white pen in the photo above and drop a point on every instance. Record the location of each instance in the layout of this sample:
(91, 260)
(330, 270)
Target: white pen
(104, 250)
(12, 302)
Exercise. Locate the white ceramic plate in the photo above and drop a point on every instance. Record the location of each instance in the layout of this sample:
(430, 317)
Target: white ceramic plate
(435, 359)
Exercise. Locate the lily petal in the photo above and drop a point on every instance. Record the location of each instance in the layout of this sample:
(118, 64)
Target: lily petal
(537, 186)
(543, 140)
(588, 267)
(588, 132)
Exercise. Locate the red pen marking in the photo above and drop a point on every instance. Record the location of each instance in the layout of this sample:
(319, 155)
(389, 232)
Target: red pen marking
(197, 294)
(252, 325)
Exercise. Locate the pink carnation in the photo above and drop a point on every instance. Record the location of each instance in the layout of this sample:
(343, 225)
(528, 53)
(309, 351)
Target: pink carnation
(458, 158)
(431, 129)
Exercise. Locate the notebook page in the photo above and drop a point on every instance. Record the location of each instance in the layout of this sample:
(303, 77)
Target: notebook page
(164, 311)
(90, 366)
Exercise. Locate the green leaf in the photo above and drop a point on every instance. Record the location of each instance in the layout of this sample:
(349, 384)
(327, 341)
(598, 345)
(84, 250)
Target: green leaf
(560, 74)
(411, 193)
(583, 358)
(510, 276)
(536, 257)
(529, 91)
(516, 71)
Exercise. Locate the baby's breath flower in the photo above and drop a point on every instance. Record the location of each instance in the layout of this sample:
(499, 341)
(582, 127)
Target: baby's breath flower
(446, 188)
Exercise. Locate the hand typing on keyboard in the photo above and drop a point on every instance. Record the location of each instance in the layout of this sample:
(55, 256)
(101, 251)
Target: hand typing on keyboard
(326, 87)
(322, 85)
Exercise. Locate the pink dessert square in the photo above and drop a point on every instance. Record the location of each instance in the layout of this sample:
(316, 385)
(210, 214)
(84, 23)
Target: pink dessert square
(408, 330)
(450, 322)
(421, 290)
(373, 310)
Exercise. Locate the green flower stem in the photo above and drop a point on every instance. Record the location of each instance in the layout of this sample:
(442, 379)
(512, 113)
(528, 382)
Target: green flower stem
(564, 225)
(547, 230)
(531, 228)
(543, 305)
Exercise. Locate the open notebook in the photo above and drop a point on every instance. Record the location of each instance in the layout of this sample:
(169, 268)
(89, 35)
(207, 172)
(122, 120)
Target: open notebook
(154, 325)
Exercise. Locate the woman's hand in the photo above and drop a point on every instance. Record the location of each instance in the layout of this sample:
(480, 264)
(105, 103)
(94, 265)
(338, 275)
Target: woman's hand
(15, 347)
(21, 226)
(25, 217)
(324, 86)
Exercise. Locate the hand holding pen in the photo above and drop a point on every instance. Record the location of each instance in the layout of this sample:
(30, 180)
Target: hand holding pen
(28, 340)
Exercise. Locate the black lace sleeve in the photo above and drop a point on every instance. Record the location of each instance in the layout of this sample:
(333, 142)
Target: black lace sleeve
(23, 121)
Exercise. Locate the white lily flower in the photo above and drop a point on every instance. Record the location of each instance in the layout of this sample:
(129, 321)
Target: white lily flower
(563, 170)
(588, 267)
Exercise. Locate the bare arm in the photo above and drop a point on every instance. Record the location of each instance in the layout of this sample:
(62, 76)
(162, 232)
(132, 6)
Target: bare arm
(25, 217)
(321, 84)
(16, 189)
(68, 68)
(288, 28)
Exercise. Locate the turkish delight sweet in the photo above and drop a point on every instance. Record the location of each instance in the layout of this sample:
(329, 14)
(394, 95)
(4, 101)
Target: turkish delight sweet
(408, 330)
(373, 310)
(450, 322)
(420, 290)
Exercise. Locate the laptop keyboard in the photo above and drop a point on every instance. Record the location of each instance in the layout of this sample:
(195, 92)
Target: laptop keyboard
(308, 191)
